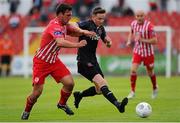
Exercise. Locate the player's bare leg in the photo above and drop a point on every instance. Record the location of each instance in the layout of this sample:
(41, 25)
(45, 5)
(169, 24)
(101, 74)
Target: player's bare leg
(133, 80)
(65, 92)
(150, 72)
(31, 100)
(101, 85)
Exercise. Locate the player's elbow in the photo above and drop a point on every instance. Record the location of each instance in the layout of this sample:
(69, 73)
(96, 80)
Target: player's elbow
(60, 42)
(155, 41)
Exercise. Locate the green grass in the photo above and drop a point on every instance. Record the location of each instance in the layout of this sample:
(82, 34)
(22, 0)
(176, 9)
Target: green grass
(166, 107)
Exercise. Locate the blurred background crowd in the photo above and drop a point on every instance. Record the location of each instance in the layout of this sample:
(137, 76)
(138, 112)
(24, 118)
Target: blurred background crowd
(15, 15)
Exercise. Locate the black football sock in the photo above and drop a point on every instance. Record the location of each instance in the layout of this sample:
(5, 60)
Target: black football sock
(89, 92)
(108, 94)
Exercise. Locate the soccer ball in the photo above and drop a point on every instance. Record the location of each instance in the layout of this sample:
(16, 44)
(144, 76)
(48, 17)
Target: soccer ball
(143, 109)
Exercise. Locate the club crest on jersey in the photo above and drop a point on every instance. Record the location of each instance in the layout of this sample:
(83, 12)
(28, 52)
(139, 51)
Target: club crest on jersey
(57, 33)
(99, 31)
(95, 37)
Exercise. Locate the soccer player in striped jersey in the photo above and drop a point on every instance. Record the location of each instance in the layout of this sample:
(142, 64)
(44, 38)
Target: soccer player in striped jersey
(46, 61)
(142, 32)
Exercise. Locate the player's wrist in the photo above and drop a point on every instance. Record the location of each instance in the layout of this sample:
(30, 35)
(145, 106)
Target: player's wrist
(81, 32)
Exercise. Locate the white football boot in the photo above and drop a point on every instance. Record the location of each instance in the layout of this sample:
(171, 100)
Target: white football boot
(131, 95)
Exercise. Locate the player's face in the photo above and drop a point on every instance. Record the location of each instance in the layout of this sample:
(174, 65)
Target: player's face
(99, 19)
(140, 17)
(66, 17)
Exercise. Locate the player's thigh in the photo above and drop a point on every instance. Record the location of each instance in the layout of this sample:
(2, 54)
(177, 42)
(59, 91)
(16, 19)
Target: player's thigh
(39, 73)
(59, 71)
(87, 70)
(37, 89)
(149, 62)
(136, 61)
(98, 69)
(134, 67)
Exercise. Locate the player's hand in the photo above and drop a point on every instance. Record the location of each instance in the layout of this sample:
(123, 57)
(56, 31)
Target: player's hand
(89, 33)
(82, 43)
(108, 41)
(108, 44)
(128, 44)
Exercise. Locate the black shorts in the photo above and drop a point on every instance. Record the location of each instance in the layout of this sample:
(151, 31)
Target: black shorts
(89, 70)
(5, 59)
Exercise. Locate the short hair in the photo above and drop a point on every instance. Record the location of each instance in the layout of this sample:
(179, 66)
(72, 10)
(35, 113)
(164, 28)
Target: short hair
(98, 10)
(61, 8)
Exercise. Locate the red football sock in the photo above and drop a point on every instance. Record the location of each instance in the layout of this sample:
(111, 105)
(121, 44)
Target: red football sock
(133, 81)
(29, 104)
(153, 81)
(64, 97)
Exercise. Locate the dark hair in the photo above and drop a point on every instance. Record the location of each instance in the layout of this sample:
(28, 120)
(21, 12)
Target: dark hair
(98, 10)
(61, 8)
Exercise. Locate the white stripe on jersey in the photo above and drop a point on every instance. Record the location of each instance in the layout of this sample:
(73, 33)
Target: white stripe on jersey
(43, 49)
(143, 35)
(49, 52)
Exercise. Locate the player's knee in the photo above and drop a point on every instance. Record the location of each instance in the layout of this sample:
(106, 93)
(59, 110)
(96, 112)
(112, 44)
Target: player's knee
(150, 73)
(133, 72)
(98, 90)
(69, 85)
(37, 94)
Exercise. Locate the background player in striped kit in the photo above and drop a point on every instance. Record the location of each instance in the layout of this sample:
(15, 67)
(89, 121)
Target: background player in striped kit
(142, 31)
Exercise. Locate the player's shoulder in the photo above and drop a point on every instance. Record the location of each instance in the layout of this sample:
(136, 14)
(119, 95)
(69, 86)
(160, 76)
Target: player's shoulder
(54, 24)
(85, 23)
(150, 24)
(133, 22)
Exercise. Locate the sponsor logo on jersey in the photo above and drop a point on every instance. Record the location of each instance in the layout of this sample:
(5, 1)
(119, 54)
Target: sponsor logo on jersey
(57, 33)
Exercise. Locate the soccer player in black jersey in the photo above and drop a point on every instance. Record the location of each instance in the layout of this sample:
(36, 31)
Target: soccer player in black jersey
(87, 61)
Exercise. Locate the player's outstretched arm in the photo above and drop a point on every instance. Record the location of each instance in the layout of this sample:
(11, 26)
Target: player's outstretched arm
(74, 30)
(67, 44)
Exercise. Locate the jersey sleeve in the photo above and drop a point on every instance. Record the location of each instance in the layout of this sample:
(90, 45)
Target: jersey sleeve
(103, 34)
(152, 32)
(56, 31)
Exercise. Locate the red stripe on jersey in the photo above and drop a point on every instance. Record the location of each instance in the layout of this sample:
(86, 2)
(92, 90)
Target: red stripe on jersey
(49, 52)
(145, 31)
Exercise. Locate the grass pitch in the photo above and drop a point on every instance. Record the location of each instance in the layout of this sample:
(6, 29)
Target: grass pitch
(166, 107)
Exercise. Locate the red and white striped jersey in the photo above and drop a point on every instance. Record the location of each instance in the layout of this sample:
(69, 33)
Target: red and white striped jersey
(146, 31)
(49, 50)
